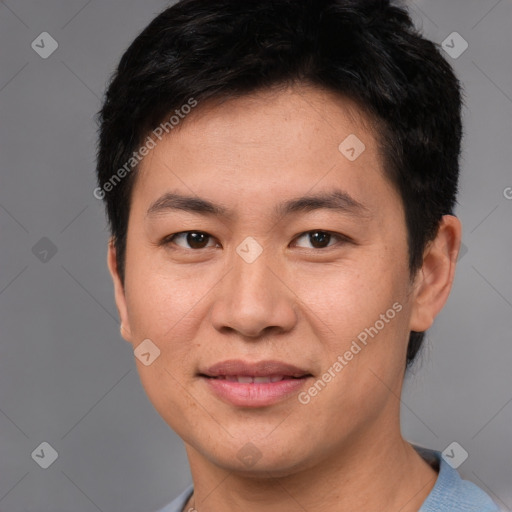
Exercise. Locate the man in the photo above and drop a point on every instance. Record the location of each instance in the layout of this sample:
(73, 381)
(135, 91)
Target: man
(280, 178)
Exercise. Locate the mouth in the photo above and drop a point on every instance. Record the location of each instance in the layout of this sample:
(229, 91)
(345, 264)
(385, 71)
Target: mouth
(249, 384)
(251, 379)
(267, 369)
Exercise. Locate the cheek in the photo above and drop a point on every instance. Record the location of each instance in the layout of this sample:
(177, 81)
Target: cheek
(349, 297)
(360, 314)
(166, 306)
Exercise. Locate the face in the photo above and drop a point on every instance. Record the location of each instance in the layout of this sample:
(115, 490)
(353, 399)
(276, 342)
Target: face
(258, 247)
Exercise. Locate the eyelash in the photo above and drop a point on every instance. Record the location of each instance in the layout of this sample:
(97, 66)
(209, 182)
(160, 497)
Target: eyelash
(168, 240)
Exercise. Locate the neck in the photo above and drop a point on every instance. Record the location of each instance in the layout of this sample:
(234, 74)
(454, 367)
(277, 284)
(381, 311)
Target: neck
(386, 475)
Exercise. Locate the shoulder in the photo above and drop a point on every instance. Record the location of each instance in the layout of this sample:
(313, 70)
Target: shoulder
(178, 503)
(452, 493)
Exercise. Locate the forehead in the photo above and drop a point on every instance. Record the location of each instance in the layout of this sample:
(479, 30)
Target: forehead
(265, 145)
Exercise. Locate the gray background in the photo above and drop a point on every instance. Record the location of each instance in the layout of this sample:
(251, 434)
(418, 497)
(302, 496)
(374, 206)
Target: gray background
(66, 375)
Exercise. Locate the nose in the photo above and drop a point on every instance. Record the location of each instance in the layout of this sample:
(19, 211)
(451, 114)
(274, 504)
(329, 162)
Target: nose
(253, 299)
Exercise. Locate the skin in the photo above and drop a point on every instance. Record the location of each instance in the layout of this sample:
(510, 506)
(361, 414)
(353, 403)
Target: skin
(297, 302)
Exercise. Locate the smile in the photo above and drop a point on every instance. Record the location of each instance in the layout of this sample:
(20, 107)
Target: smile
(246, 379)
(254, 384)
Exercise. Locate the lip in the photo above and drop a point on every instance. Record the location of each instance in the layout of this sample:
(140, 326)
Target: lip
(254, 394)
(266, 368)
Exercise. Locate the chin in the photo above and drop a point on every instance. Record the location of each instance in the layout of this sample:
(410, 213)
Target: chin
(261, 462)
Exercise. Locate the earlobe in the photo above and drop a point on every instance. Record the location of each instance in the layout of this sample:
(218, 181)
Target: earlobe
(119, 292)
(434, 280)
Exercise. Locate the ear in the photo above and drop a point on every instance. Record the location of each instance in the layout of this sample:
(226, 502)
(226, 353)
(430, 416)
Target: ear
(118, 291)
(434, 280)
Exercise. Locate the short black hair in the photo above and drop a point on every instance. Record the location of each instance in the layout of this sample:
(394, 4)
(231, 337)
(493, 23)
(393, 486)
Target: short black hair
(365, 50)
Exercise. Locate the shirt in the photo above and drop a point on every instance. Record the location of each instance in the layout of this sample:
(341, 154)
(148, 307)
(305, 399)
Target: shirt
(450, 493)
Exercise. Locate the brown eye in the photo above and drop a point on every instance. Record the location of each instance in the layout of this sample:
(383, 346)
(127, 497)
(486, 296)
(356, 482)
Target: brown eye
(320, 239)
(193, 239)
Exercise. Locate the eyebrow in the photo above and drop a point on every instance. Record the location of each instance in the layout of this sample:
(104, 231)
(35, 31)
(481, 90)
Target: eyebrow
(336, 199)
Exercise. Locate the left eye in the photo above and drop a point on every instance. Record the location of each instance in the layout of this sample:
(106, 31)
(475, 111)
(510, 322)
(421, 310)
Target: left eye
(321, 239)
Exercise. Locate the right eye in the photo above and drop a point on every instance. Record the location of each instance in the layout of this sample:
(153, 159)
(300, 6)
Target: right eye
(195, 240)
